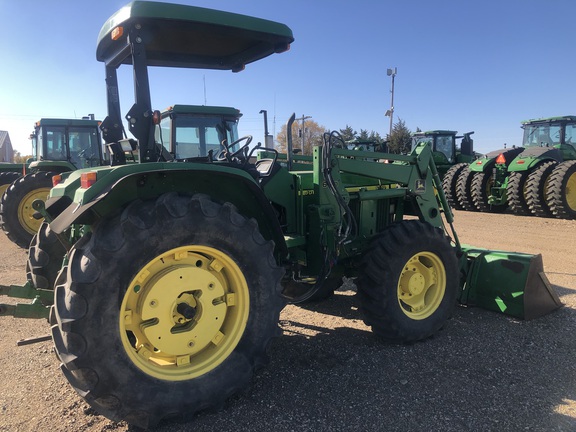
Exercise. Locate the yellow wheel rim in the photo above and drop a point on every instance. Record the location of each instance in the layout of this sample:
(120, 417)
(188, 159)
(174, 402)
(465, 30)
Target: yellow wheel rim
(422, 285)
(26, 212)
(184, 313)
(3, 188)
(571, 191)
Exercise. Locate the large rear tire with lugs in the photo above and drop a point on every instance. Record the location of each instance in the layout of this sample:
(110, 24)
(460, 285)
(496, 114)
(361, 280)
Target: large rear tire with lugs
(561, 192)
(409, 282)
(449, 184)
(464, 190)
(166, 309)
(480, 189)
(537, 189)
(16, 211)
(6, 179)
(516, 193)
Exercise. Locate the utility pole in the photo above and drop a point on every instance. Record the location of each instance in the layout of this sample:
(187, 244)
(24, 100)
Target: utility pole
(390, 112)
(303, 118)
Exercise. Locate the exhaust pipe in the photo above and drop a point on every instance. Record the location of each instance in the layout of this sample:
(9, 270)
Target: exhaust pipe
(289, 141)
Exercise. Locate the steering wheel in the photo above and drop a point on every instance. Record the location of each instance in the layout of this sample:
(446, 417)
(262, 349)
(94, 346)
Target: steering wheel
(237, 155)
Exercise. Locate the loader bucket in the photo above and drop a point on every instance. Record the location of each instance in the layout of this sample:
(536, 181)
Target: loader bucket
(508, 282)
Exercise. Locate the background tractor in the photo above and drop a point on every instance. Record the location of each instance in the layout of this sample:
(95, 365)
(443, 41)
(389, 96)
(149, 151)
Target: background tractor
(477, 184)
(520, 178)
(542, 179)
(60, 145)
(177, 266)
(449, 158)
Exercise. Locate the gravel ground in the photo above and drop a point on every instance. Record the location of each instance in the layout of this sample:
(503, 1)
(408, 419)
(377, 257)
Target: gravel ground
(483, 372)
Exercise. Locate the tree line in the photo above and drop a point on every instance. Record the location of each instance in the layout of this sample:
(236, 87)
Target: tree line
(399, 141)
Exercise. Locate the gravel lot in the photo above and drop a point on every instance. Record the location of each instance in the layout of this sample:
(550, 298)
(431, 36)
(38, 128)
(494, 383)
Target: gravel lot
(483, 372)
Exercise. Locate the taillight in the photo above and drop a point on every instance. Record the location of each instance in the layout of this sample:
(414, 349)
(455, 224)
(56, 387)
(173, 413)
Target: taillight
(56, 179)
(87, 179)
(501, 159)
(520, 162)
(479, 162)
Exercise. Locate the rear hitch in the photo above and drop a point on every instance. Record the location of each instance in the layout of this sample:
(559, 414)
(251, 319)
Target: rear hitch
(38, 308)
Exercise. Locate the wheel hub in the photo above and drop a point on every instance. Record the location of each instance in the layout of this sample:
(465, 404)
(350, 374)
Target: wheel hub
(184, 312)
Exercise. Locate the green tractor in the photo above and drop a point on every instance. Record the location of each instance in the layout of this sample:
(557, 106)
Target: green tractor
(449, 158)
(177, 267)
(538, 178)
(61, 145)
(477, 185)
(542, 179)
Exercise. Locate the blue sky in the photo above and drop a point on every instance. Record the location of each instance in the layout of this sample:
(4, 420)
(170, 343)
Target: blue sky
(462, 65)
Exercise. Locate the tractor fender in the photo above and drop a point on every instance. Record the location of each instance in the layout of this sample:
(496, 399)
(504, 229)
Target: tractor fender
(533, 156)
(487, 162)
(234, 186)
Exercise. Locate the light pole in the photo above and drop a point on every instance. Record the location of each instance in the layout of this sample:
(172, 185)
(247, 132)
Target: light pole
(303, 118)
(390, 112)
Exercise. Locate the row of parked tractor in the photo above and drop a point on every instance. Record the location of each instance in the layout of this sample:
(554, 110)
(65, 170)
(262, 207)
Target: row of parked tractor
(537, 178)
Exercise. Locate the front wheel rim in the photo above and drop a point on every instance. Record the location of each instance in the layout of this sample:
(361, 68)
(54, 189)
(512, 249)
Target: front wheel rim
(26, 211)
(184, 313)
(422, 285)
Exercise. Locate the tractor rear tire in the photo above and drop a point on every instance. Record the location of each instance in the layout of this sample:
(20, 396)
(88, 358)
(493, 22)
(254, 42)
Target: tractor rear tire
(16, 212)
(516, 193)
(449, 184)
(166, 309)
(6, 179)
(537, 187)
(481, 185)
(45, 257)
(409, 283)
(561, 193)
(464, 190)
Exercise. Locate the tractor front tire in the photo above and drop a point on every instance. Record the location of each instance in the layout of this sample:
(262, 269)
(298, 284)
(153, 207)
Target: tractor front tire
(516, 193)
(16, 212)
(561, 192)
(409, 283)
(45, 256)
(449, 184)
(166, 309)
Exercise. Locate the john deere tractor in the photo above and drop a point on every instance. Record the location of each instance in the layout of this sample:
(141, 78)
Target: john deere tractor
(177, 266)
(450, 159)
(61, 145)
(478, 187)
(542, 179)
(538, 178)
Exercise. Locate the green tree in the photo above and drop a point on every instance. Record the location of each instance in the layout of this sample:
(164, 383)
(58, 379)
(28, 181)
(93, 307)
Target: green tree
(311, 136)
(400, 140)
(18, 158)
(348, 133)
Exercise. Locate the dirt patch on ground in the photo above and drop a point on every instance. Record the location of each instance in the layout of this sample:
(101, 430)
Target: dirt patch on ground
(484, 371)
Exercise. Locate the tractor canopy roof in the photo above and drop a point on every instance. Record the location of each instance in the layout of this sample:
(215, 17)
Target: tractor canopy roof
(203, 109)
(560, 119)
(434, 133)
(66, 122)
(191, 37)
